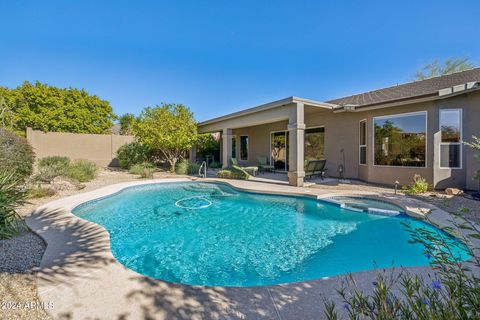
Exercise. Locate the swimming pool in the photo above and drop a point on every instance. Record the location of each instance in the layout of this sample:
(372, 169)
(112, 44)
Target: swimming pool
(211, 234)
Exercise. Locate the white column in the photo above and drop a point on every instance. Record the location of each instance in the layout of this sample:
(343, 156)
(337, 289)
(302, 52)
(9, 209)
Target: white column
(296, 128)
(226, 147)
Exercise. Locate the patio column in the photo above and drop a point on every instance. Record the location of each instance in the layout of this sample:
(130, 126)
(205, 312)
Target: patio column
(226, 147)
(296, 128)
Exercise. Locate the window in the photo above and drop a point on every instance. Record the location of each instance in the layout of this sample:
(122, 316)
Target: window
(279, 150)
(234, 147)
(451, 132)
(243, 147)
(400, 140)
(363, 142)
(314, 143)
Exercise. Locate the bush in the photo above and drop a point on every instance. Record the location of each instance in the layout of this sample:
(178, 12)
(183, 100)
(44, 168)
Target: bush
(82, 170)
(39, 192)
(15, 154)
(133, 153)
(420, 185)
(11, 196)
(186, 167)
(233, 173)
(52, 167)
(215, 165)
(145, 170)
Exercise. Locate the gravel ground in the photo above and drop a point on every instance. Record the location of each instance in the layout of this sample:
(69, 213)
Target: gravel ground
(463, 205)
(21, 255)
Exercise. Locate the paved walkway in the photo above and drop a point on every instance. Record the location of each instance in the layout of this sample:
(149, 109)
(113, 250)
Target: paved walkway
(82, 279)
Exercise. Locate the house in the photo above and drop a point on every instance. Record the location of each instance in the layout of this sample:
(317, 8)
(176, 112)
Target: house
(381, 136)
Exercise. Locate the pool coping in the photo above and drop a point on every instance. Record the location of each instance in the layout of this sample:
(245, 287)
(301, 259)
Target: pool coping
(80, 277)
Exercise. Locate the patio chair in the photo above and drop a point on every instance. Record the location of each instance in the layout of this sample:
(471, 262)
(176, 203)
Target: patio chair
(315, 168)
(264, 166)
(253, 170)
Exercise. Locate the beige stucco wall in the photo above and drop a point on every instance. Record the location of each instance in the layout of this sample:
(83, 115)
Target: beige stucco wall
(342, 132)
(258, 140)
(471, 128)
(99, 148)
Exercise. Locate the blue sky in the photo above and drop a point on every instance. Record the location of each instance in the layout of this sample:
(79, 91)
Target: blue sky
(217, 57)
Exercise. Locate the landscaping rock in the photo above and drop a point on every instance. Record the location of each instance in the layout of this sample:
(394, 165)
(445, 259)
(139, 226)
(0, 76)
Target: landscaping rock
(453, 191)
(63, 183)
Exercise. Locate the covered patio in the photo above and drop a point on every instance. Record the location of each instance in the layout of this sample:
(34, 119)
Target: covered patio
(274, 132)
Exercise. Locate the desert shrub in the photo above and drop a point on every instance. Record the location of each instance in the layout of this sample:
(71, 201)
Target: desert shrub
(233, 173)
(145, 170)
(52, 167)
(215, 165)
(420, 185)
(133, 153)
(16, 155)
(452, 293)
(11, 196)
(39, 192)
(82, 170)
(186, 167)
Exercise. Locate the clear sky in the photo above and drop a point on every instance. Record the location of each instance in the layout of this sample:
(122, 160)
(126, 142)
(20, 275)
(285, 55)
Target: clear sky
(218, 57)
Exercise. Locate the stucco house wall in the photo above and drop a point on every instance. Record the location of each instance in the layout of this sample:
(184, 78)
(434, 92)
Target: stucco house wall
(342, 133)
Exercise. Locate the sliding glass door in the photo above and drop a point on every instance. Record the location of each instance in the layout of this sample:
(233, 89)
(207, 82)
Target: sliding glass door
(279, 150)
(314, 147)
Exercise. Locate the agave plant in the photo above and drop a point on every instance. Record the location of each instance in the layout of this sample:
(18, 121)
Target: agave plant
(11, 196)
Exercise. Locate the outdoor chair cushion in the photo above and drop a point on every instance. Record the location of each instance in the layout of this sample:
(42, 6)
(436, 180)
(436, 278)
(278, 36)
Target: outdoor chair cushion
(315, 168)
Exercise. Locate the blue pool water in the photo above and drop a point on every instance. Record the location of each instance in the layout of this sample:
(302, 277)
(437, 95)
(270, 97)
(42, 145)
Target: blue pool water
(211, 234)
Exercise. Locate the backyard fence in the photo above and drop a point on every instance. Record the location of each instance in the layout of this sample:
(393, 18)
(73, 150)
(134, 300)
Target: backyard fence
(99, 148)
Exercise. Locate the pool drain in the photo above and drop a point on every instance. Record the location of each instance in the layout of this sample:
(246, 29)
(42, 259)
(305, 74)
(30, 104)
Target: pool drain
(197, 202)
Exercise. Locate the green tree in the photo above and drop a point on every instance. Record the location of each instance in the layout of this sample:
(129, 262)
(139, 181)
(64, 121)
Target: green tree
(49, 108)
(169, 128)
(207, 144)
(6, 114)
(126, 124)
(435, 68)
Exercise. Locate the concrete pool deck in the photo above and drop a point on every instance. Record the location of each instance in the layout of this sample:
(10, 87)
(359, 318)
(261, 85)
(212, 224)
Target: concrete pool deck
(80, 279)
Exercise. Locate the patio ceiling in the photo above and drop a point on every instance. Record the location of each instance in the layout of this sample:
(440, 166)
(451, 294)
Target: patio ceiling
(266, 113)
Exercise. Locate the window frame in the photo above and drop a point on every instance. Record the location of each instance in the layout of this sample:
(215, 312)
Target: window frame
(398, 115)
(324, 136)
(450, 143)
(360, 145)
(240, 147)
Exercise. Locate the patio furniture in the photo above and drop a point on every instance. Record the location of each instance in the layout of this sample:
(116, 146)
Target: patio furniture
(315, 168)
(264, 166)
(253, 170)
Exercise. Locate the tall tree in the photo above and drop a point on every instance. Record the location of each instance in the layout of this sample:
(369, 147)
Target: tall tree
(126, 124)
(49, 108)
(435, 68)
(169, 128)
(6, 114)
